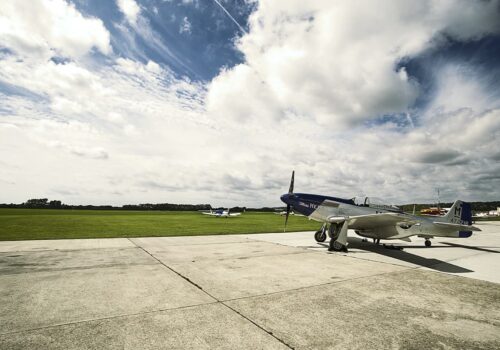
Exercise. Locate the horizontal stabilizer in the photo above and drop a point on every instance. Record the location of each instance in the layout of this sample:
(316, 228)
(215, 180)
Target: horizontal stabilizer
(457, 227)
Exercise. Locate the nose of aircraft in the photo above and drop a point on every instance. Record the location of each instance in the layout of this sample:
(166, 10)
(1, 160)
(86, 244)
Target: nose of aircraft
(285, 198)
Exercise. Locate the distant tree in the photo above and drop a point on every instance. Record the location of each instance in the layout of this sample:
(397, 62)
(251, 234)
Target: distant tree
(55, 204)
(36, 203)
(167, 206)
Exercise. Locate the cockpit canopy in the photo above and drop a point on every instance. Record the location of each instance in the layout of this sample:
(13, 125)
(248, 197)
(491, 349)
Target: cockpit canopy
(374, 202)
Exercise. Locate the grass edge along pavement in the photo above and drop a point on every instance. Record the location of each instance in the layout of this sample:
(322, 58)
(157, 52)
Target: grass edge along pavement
(27, 224)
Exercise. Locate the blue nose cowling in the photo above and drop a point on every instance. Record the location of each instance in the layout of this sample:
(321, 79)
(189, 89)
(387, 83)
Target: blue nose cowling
(284, 198)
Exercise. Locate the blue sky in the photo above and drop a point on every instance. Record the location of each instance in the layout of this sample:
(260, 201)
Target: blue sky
(198, 33)
(130, 101)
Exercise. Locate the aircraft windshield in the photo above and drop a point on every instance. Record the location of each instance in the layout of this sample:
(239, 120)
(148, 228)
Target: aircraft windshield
(374, 202)
(361, 200)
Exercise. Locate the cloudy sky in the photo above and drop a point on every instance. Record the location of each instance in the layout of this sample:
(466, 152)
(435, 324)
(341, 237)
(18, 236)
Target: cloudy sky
(205, 101)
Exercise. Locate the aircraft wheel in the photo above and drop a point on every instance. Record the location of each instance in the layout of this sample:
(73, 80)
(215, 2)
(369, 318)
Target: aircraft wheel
(428, 243)
(334, 231)
(320, 236)
(336, 246)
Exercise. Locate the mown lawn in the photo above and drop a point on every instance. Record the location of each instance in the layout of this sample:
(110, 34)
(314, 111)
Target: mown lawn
(22, 224)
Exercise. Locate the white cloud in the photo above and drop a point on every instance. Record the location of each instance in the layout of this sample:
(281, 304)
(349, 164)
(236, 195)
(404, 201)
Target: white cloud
(44, 28)
(185, 26)
(335, 61)
(129, 132)
(460, 86)
(130, 9)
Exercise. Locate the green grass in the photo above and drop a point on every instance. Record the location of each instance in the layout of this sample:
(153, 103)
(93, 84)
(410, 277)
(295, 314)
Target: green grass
(489, 218)
(22, 224)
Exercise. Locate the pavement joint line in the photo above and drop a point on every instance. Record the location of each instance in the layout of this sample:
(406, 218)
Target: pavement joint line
(258, 325)
(390, 263)
(190, 244)
(481, 249)
(104, 266)
(241, 258)
(217, 301)
(108, 318)
(62, 250)
(371, 260)
(454, 275)
(215, 298)
(318, 285)
(386, 262)
(309, 250)
(419, 266)
(423, 268)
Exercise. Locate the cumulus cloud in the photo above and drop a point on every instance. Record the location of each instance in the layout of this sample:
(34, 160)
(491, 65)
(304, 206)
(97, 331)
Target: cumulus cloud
(130, 10)
(50, 27)
(335, 62)
(314, 75)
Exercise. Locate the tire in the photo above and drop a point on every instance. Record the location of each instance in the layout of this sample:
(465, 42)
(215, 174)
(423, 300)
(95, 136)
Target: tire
(334, 231)
(428, 243)
(320, 236)
(336, 247)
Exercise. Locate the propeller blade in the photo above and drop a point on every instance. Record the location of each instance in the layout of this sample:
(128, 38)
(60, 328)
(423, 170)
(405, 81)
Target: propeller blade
(288, 206)
(286, 217)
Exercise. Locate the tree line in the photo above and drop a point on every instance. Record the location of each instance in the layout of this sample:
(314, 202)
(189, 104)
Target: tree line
(44, 203)
(476, 206)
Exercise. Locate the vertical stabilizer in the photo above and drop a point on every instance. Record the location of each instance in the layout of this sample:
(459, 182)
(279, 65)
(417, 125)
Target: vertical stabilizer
(460, 213)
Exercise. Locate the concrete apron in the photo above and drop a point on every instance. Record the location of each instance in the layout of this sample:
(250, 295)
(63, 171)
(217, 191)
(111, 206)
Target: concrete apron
(235, 292)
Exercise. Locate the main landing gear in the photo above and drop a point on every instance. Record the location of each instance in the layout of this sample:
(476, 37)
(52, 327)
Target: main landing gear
(335, 231)
(428, 242)
(338, 236)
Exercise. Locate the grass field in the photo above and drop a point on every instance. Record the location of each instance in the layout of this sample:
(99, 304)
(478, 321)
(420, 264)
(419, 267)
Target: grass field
(22, 224)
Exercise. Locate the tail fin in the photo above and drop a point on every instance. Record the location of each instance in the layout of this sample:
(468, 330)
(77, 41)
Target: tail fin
(460, 213)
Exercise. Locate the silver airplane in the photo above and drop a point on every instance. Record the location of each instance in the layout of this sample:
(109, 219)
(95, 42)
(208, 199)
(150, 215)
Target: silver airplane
(375, 220)
(221, 213)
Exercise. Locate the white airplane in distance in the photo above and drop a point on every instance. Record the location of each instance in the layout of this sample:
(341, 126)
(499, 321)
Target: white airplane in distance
(221, 213)
(375, 220)
(283, 213)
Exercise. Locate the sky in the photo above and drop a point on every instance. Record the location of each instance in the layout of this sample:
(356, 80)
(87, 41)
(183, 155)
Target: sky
(217, 101)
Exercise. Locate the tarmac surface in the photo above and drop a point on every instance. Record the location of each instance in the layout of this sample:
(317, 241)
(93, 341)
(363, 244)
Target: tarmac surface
(261, 291)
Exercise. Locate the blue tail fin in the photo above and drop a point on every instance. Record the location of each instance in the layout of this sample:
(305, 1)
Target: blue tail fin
(460, 213)
(466, 213)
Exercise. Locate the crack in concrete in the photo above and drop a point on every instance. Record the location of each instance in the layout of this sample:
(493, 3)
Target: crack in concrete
(215, 298)
(76, 268)
(107, 318)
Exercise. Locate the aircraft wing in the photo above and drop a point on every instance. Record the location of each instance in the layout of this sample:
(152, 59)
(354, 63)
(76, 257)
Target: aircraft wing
(457, 227)
(371, 221)
(211, 214)
(234, 214)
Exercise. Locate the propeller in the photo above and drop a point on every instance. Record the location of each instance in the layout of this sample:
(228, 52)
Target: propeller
(288, 206)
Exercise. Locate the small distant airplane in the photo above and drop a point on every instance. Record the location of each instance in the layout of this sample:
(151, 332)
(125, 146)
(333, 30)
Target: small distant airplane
(375, 220)
(283, 213)
(221, 213)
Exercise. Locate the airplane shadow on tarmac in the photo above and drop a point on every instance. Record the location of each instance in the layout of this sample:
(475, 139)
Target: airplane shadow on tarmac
(396, 253)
